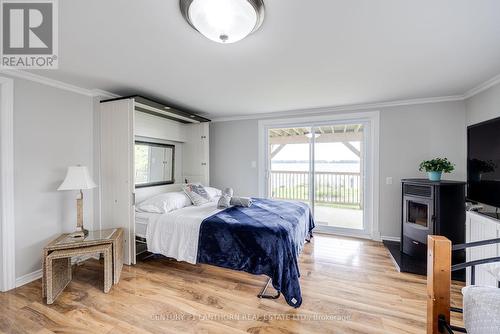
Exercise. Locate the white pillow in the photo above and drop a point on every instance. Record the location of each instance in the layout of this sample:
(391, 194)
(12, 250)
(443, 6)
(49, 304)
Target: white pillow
(214, 193)
(164, 203)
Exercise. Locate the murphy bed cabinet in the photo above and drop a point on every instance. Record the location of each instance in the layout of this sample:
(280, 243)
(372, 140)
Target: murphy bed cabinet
(119, 127)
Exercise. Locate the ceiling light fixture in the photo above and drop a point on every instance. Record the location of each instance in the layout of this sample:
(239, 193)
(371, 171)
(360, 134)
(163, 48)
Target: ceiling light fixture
(224, 21)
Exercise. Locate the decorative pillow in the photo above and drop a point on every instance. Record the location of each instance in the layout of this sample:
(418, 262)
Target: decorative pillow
(213, 192)
(228, 191)
(197, 194)
(241, 201)
(481, 309)
(164, 203)
(224, 202)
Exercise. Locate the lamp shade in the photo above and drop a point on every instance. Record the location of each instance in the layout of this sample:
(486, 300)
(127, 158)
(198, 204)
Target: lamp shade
(77, 178)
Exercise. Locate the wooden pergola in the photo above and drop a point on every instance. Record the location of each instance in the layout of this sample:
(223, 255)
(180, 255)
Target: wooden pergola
(345, 134)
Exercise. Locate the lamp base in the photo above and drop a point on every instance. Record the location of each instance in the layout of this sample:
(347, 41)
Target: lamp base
(80, 233)
(77, 234)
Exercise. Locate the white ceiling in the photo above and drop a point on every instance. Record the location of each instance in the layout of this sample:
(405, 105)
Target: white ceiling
(307, 54)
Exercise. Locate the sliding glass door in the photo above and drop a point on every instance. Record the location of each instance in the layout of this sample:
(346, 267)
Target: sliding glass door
(324, 165)
(290, 164)
(338, 175)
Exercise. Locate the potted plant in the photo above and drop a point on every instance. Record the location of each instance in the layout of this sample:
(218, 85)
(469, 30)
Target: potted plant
(436, 167)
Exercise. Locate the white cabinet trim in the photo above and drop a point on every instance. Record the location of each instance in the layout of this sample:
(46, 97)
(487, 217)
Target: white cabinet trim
(8, 237)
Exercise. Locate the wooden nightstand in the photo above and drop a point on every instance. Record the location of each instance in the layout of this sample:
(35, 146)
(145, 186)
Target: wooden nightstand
(57, 254)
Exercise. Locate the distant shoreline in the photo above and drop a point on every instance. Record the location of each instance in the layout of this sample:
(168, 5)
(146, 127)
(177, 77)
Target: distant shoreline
(317, 161)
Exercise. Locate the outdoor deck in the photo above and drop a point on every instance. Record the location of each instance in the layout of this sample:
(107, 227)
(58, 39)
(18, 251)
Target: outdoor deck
(339, 217)
(338, 197)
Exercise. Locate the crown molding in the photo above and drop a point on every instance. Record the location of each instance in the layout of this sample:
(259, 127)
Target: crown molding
(378, 105)
(104, 94)
(57, 84)
(47, 81)
(352, 107)
(482, 87)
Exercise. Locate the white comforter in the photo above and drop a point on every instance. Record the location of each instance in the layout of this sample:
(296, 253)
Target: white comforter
(175, 234)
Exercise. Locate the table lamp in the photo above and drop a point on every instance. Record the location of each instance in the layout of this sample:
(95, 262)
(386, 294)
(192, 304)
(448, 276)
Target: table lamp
(78, 178)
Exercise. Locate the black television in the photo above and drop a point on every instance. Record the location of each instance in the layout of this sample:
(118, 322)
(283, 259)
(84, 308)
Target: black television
(483, 162)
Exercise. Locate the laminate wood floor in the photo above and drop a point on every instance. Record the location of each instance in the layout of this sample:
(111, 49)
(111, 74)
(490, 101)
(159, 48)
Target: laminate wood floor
(348, 286)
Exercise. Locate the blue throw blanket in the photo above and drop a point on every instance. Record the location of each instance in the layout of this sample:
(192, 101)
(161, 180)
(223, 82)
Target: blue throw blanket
(265, 238)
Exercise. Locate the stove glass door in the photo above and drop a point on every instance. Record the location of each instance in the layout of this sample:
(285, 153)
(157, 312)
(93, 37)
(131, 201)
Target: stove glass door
(418, 213)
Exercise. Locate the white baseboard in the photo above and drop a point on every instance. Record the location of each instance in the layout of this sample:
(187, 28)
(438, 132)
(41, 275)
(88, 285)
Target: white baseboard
(28, 278)
(376, 236)
(388, 238)
(343, 234)
(37, 274)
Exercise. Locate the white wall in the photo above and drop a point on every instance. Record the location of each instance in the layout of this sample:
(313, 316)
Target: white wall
(408, 135)
(52, 130)
(1, 232)
(483, 106)
(233, 147)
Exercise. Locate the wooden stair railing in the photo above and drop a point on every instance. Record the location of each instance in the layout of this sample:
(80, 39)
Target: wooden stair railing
(438, 282)
(439, 270)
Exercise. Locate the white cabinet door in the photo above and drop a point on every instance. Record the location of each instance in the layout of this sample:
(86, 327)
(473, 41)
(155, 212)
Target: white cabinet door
(205, 153)
(117, 171)
(196, 154)
(480, 228)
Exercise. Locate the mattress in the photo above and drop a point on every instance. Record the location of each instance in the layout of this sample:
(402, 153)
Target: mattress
(142, 220)
(175, 234)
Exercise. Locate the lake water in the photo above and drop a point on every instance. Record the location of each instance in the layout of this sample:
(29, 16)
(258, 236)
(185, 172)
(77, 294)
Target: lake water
(319, 167)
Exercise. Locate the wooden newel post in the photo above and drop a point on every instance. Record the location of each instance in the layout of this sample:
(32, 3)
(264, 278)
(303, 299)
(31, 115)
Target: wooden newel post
(438, 281)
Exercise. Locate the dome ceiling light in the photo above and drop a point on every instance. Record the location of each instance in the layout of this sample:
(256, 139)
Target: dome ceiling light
(224, 21)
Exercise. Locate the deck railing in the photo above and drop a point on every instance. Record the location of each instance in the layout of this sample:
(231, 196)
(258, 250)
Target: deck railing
(336, 188)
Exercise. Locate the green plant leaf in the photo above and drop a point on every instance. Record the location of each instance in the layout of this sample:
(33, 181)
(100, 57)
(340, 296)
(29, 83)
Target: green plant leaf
(437, 165)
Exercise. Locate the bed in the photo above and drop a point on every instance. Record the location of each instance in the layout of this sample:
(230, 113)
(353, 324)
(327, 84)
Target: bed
(265, 238)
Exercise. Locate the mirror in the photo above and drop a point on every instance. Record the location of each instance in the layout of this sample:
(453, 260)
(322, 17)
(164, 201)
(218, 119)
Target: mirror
(154, 164)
